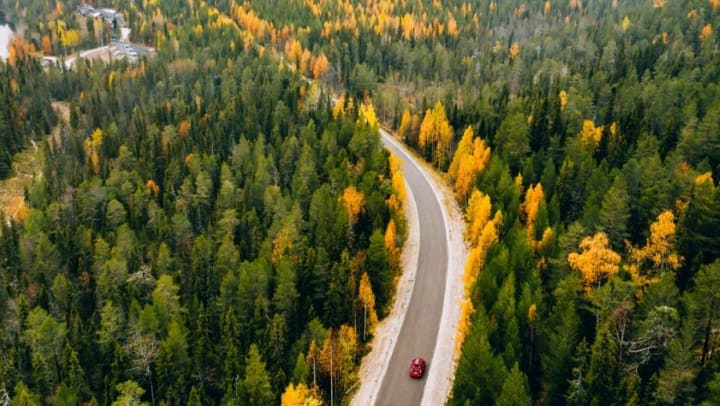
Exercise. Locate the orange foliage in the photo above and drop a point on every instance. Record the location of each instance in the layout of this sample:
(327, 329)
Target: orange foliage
(293, 52)
(596, 261)
(17, 209)
(153, 187)
(46, 44)
(514, 51)
(706, 32)
(58, 10)
(188, 159)
(184, 129)
(354, 202)
(304, 65)
(18, 50)
(329, 355)
(452, 27)
(320, 66)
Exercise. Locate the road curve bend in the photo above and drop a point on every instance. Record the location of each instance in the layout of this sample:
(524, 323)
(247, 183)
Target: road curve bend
(426, 310)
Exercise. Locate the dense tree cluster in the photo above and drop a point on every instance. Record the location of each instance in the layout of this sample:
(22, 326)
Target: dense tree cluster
(205, 231)
(209, 227)
(25, 112)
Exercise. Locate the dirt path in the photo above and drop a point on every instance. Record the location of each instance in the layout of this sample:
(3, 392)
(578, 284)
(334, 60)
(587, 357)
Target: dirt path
(26, 167)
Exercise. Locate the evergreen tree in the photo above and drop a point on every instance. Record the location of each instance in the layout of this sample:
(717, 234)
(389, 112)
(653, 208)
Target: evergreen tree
(614, 214)
(256, 384)
(480, 374)
(515, 390)
(563, 338)
(603, 376)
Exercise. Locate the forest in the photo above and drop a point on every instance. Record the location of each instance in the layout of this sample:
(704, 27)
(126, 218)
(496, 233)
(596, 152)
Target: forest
(210, 225)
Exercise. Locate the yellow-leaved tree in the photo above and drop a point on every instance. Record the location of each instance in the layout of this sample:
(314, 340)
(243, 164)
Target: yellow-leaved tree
(596, 261)
(471, 158)
(92, 148)
(477, 215)
(404, 126)
(391, 245)
(481, 233)
(337, 109)
(367, 298)
(299, 395)
(463, 148)
(354, 202)
(396, 199)
(658, 255)
(367, 116)
(590, 134)
(436, 135)
(534, 197)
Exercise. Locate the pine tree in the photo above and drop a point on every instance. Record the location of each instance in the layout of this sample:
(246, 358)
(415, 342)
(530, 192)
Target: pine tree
(614, 213)
(563, 337)
(603, 377)
(480, 374)
(256, 384)
(515, 390)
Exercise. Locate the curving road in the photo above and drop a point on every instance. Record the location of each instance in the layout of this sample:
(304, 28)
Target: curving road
(419, 332)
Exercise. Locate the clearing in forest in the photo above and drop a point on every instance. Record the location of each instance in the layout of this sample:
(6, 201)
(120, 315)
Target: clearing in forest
(26, 165)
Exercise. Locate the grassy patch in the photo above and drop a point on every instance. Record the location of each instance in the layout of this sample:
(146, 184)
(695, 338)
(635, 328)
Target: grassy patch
(26, 165)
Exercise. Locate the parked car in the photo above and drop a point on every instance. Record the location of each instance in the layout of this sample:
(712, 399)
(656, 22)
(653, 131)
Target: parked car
(417, 367)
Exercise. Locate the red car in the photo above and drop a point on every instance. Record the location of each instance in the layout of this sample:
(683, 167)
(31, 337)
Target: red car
(417, 367)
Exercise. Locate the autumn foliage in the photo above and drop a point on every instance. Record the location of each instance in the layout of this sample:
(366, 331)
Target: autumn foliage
(92, 147)
(367, 298)
(658, 255)
(596, 261)
(481, 232)
(354, 202)
(436, 135)
(470, 159)
(534, 197)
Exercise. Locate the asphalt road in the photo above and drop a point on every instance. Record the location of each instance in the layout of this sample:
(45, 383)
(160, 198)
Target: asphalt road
(419, 330)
